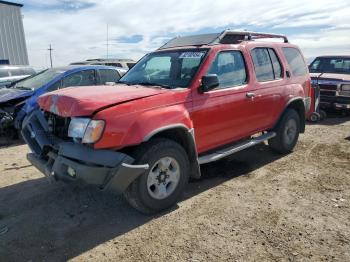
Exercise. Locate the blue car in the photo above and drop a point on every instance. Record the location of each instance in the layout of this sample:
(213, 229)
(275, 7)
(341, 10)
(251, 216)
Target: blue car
(20, 99)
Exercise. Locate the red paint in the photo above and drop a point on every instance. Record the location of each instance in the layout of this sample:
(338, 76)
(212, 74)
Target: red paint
(218, 117)
(84, 101)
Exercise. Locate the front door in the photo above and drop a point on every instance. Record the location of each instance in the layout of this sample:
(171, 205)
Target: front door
(224, 114)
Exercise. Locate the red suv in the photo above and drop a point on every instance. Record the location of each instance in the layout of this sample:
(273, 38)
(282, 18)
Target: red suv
(195, 100)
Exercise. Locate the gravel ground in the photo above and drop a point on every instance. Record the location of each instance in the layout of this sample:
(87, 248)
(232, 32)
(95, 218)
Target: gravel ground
(253, 206)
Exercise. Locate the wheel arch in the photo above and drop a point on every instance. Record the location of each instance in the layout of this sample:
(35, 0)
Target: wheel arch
(298, 105)
(183, 136)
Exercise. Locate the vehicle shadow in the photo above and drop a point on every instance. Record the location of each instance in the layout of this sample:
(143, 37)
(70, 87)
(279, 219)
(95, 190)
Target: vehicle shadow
(7, 142)
(41, 221)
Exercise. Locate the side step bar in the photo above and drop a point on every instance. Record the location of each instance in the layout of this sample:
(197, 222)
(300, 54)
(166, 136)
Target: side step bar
(235, 148)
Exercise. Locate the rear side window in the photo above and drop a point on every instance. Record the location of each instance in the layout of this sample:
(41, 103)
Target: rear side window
(266, 64)
(277, 69)
(262, 65)
(295, 61)
(82, 78)
(229, 66)
(108, 76)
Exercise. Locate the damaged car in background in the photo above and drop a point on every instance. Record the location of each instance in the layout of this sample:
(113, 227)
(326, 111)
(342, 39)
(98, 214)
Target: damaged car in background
(332, 75)
(20, 99)
(11, 74)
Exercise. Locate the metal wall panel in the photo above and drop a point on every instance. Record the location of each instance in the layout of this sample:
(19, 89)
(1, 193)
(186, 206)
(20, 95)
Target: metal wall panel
(12, 40)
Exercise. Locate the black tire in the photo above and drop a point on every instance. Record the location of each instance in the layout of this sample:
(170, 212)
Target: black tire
(315, 117)
(137, 194)
(285, 141)
(323, 114)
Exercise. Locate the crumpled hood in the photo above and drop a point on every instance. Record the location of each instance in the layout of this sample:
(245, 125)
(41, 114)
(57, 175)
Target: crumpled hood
(7, 94)
(84, 101)
(335, 77)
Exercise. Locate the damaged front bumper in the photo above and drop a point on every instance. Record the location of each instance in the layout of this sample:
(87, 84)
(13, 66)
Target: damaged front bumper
(72, 162)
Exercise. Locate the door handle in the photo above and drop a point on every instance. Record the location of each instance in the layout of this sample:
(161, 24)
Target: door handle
(250, 95)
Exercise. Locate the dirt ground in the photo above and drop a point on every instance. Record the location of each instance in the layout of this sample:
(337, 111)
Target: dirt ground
(254, 206)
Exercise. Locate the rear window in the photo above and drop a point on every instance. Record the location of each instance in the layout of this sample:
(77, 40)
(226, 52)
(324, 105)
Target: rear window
(295, 61)
(4, 73)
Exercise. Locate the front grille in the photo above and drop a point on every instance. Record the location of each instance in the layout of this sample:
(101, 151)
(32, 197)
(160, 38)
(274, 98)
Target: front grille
(328, 87)
(327, 93)
(58, 126)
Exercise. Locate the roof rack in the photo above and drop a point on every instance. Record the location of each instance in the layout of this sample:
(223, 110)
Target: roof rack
(252, 35)
(225, 37)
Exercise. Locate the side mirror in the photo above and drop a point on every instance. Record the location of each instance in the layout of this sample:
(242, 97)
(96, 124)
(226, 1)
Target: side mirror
(209, 82)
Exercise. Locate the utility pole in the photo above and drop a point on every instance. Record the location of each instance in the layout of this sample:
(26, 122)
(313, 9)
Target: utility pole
(50, 49)
(107, 42)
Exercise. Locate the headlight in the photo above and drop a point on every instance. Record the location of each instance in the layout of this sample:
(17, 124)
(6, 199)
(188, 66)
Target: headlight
(345, 87)
(89, 131)
(314, 82)
(93, 131)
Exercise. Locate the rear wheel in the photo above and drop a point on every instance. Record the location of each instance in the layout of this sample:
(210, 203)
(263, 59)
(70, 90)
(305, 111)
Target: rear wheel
(161, 186)
(287, 132)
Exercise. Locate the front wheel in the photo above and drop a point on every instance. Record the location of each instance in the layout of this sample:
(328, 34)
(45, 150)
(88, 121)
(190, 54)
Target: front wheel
(287, 132)
(161, 186)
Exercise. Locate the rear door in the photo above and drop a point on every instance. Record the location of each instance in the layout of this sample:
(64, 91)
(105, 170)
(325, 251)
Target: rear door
(268, 92)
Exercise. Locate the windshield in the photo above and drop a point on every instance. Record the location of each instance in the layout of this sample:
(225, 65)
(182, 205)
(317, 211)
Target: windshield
(331, 65)
(169, 69)
(39, 79)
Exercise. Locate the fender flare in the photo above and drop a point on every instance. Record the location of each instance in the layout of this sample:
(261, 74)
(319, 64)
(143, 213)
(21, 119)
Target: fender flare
(302, 116)
(163, 128)
(189, 146)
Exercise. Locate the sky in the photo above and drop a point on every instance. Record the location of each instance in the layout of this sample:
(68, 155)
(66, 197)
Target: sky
(77, 29)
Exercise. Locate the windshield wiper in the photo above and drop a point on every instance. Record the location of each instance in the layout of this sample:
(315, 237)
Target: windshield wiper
(124, 82)
(152, 84)
(21, 87)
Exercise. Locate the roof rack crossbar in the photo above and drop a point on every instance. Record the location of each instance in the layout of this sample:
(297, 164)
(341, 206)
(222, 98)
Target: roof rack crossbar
(219, 38)
(252, 35)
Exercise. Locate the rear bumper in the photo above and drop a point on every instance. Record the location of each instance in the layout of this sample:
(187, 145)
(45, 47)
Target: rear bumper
(72, 162)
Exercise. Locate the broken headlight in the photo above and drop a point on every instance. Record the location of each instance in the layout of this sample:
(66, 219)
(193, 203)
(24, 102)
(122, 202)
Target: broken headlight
(86, 129)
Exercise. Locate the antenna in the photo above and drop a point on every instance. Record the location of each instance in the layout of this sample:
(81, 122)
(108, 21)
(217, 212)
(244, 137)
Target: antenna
(50, 49)
(107, 43)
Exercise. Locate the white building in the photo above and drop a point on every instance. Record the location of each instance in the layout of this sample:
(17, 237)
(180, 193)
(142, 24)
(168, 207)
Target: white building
(13, 49)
